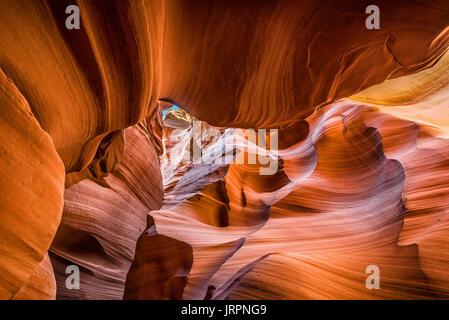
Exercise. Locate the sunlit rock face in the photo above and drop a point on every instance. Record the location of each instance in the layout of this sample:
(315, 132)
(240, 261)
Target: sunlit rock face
(94, 176)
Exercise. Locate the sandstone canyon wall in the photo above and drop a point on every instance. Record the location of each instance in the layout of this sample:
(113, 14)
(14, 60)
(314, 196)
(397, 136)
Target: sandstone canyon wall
(94, 175)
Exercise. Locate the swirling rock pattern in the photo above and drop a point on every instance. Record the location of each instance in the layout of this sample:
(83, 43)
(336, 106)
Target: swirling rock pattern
(92, 175)
(103, 219)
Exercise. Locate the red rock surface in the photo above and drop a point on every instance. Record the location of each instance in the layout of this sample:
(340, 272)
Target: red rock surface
(91, 175)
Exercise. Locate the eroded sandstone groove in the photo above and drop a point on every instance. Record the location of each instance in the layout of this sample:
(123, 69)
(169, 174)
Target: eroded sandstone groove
(92, 173)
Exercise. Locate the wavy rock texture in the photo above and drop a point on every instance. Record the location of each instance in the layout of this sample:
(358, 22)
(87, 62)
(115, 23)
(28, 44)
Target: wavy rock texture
(91, 174)
(345, 214)
(41, 285)
(103, 219)
(287, 58)
(31, 196)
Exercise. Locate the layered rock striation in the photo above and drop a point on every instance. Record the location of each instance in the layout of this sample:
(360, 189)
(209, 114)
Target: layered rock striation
(93, 175)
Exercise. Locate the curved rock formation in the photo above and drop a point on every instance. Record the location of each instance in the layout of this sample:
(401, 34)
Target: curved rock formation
(103, 218)
(352, 174)
(31, 197)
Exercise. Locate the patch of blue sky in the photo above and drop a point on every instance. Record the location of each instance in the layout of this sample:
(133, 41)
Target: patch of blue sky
(173, 107)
